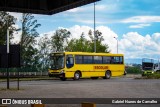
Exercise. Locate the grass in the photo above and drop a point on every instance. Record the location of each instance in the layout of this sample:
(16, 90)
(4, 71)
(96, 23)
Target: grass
(154, 76)
(150, 76)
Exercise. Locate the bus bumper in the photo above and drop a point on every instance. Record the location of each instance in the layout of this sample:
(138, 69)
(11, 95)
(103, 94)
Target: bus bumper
(125, 72)
(57, 75)
(146, 73)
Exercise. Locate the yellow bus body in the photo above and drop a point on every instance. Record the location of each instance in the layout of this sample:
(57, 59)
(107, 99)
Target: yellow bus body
(90, 70)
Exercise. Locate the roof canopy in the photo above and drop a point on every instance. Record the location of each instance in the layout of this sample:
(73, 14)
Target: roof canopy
(48, 7)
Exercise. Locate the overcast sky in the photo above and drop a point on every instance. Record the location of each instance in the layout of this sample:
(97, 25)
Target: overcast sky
(136, 24)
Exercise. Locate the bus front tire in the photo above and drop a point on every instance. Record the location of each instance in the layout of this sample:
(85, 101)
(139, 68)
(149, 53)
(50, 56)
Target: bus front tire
(50, 75)
(107, 75)
(77, 75)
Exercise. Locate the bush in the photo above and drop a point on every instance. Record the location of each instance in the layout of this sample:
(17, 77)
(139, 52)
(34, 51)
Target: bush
(153, 76)
(134, 70)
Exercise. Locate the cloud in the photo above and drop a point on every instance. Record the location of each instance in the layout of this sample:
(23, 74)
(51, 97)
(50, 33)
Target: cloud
(101, 7)
(156, 37)
(16, 35)
(77, 30)
(134, 45)
(74, 10)
(139, 25)
(49, 34)
(18, 16)
(142, 19)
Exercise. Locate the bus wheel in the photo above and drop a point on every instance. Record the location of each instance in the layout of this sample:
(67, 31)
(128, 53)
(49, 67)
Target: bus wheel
(77, 75)
(62, 78)
(107, 75)
(49, 75)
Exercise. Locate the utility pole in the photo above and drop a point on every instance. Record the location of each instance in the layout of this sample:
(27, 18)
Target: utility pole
(94, 28)
(117, 44)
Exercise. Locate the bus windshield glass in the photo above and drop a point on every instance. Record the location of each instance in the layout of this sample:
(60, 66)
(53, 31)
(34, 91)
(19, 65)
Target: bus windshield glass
(147, 65)
(57, 62)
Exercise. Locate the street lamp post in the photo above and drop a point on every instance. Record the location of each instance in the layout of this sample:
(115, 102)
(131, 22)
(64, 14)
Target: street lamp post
(94, 28)
(117, 44)
(8, 58)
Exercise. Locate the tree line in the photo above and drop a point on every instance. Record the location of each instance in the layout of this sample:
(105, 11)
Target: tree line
(35, 55)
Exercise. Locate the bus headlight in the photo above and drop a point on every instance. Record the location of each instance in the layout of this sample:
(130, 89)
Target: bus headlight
(49, 67)
(62, 71)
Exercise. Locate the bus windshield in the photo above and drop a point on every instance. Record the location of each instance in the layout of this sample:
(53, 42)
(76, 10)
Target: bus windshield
(147, 65)
(57, 62)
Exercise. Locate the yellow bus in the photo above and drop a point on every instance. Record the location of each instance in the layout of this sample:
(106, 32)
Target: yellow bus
(78, 65)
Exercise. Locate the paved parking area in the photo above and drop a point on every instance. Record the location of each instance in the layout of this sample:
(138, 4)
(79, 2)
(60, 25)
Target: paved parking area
(85, 88)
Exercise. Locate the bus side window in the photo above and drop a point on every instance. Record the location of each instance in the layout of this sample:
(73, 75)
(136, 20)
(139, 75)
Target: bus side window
(106, 59)
(112, 60)
(97, 59)
(117, 60)
(121, 60)
(87, 59)
(78, 59)
(69, 61)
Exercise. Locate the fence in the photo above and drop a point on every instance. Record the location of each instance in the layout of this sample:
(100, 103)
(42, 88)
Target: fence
(23, 74)
(23, 71)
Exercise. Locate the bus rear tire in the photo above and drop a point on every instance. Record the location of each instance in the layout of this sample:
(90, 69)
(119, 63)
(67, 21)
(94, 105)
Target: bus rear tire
(77, 75)
(107, 75)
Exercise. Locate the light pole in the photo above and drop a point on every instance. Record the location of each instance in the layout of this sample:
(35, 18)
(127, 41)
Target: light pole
(94, 28)
(117, 43)
(8, 58)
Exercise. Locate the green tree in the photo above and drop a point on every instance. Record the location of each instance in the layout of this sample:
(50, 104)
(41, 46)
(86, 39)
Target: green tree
(59, 40)
(79, 45)
(99, 39)
(84, 45)
(44, 50)
(28, 42)
(6, 21)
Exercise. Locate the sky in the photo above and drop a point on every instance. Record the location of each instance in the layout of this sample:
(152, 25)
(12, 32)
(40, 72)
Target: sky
(134, 23)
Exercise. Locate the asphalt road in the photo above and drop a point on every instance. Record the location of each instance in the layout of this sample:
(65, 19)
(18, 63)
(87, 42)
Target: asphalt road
(85, 88)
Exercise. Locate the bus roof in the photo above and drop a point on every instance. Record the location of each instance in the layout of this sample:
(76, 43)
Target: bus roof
(90, 53)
